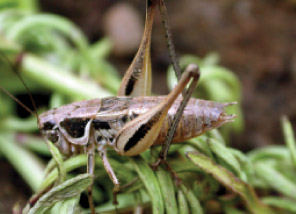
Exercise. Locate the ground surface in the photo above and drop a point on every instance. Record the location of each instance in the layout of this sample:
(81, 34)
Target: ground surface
(255, 39)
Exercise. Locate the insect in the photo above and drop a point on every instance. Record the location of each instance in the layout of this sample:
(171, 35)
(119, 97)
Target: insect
(133, 121)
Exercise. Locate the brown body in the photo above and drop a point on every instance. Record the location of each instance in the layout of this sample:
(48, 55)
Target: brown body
(109, 115)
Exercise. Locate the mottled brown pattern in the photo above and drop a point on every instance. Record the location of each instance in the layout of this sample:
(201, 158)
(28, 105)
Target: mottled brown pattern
(199, 116)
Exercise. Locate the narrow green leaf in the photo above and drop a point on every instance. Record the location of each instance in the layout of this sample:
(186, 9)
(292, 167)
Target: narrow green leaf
(57, 156)
(168, 190)
(55, 78)
(247, 169)
(28, 5)
(275, 179)
(232, 210)
(193, 202)
(182, 202)
(283, 203)
(289, 138)
(49, 167)
(201, 144)
(69, 206)
(69, 189)
(27, 164)
(56, 100)
(211, 58)
(222, 152)
(126, 202)
(34, 143)
(107, 76)
(19, 125)
(50, 21)
(55, 208)
(247, 193)
(101, 49)
(151, 183)
(278, 152)
(215, 134)
(70, 164)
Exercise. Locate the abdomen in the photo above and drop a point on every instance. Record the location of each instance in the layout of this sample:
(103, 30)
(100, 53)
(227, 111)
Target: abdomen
(198, 117)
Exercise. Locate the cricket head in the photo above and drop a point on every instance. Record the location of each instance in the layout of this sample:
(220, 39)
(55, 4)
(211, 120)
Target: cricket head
(49, 127)
(68, 126)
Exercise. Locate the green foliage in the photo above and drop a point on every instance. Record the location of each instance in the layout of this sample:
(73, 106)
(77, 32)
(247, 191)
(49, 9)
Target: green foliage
(65, 196)
(26, 5)
(56, 59)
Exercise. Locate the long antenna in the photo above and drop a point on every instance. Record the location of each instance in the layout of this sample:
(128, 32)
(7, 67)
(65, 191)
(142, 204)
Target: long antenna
(14, 69)
(18, 101)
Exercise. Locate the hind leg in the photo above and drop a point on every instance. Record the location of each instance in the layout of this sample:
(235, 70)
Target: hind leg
(187, 94)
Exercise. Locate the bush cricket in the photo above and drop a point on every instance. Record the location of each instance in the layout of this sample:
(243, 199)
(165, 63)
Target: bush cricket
(133, 121)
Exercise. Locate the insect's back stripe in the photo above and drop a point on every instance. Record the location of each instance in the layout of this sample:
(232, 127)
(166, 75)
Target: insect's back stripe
(130, 85)
(75, 127)
(140, 133)
(149, 3)
(101, 124)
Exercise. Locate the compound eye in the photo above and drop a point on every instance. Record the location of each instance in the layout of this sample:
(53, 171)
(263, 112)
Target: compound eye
(52, 135)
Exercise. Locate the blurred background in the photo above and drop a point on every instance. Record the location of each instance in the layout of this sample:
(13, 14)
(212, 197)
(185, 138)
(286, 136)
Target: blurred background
(256, 39)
